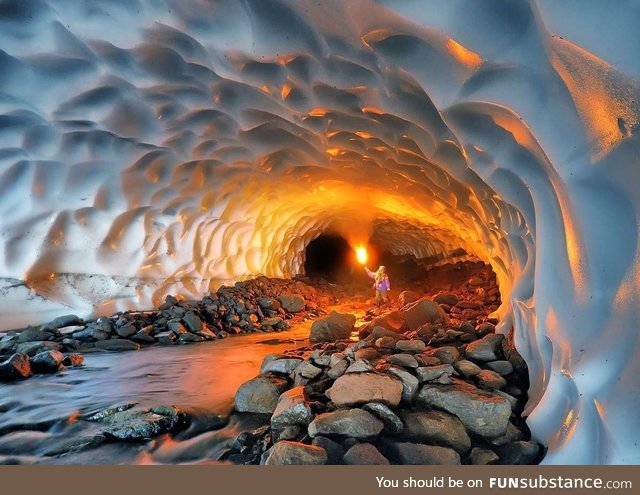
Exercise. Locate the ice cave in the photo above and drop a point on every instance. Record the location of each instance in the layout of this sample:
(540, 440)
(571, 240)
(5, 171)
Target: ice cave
(169, 147)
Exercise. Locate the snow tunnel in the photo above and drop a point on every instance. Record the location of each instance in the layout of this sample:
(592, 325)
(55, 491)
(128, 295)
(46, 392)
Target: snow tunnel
(168, 147)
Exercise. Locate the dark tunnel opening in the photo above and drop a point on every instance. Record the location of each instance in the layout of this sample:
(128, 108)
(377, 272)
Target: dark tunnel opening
(328, 256)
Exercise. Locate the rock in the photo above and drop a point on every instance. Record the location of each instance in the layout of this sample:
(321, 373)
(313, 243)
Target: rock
(502, 367)
(307, 370)
(292, 409)
(393, 321)
(476, 281)
(127, 424)
(519, 453)
(192, 322)
(360, 388)
(407, 296)
(410, 383)
(432, 373)
(90, 334)
(364, 454)
(73, 360)
(354, 423)
(292, 303)
(490, 379)
(269, 303)
(406, 360)
(482, 457)
(447, 354)
(428, 360)
(143, 337)
(484, 329)
(422, 312)
(338, 369)
(16, 367)
(392, 423)
(467, 368)
(286, 452)
(284, 366)
(418, 454)
(446, 298)
(484, 349)
(436, 428)
(177, 328)
(513, 434)
(335, 326)
(47, 362)
(33, 348)
(416, 346)
(166, 338)
(334, 450)
(33, 334)
(369, 354)
(379, 332)
(469, 304)
(512, 400)
(291, 432)
(386, 343)
(481, 412)
(126, 331)
(206, 333)
(359, 366)
(261, 394)
(62, 321)
(116, 345)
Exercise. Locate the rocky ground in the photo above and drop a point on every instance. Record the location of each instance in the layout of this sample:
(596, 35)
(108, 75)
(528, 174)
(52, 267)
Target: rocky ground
(258, 305)
(425, 381)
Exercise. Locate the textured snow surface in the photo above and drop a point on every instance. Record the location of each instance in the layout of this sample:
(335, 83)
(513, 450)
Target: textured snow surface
(168, 146)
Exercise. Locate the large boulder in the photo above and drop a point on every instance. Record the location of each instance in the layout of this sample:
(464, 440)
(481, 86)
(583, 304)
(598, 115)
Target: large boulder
(292, 303)
(393, 321)
(261, 394)
(333, 327)
(481, 412)
(292, 409)
(407, 297)
(422, 312)
(420, 454)
(47, 362)
(287, 452)
(354, 423)
(278, 364)
(16, 367)
(437, 428)
(360, 388)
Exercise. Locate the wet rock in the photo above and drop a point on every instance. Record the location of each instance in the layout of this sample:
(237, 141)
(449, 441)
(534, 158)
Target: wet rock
(407, 296)
(177, 328)
(392, 423)
(126, 330)
(293, 303)
(47, 362)
(192, 322)
(501, 367)
(419, 454)
(364, 454)
(73, 359)
(482, 457)
(405, 360)
(513, 434)
(359, 366)
(117, 345)
(334, 450)
(369, 354)
(481, 412)
(166, 338)
(354, 423)
(269, 303)
(490, 379)
(446, 298)
(467, 368)
(360, 388)
(33, 334)
(131, 424)
(440, 373)
(90, 334)
(447, 354)
(292, 409)
(410, 383)
(33, 348)
(335, 326)
(416, 346)
(284, 366)
(16, 367)
(436, 428)
(338, 369)
(422, 312)
(484, 349)
(519, 453)
(189, 338)
(62, 321)
(307, 370)
(287, 452)
(484, 329)
(261, 394)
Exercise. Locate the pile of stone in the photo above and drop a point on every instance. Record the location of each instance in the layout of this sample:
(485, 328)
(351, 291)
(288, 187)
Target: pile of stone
(258, 305)
(416, 389)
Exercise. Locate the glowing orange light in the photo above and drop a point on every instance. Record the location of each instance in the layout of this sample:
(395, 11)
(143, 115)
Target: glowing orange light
(361, 254)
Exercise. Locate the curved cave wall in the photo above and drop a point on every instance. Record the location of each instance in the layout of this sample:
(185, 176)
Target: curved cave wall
(155, 147)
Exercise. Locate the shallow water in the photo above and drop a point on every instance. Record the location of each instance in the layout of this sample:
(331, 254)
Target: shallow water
(200, 378)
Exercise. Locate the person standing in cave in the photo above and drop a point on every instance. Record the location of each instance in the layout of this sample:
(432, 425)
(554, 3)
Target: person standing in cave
(381, 284)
